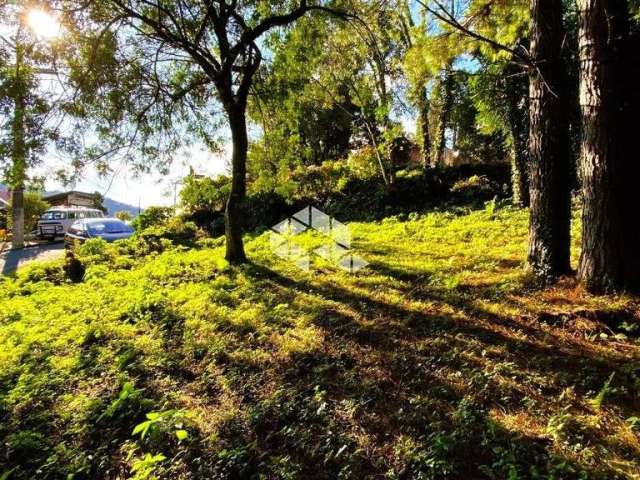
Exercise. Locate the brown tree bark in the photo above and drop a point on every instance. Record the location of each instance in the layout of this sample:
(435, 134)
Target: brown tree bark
(233, 213)
(549, 147)
(609, 258)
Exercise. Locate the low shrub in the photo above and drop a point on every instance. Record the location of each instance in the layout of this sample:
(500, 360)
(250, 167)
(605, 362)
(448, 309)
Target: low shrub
(48, 271)
(151, 217)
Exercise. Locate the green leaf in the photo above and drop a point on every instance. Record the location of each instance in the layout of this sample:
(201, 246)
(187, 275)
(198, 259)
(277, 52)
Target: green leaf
(142, 428)
(599, 399)
(182, 434)
(5, 475)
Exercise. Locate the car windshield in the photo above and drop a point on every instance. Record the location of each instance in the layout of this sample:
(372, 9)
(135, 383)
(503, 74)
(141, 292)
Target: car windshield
(54, 215)
(109, 226)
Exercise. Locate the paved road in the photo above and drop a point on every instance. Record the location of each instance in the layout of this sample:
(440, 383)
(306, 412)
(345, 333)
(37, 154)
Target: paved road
(11, 260)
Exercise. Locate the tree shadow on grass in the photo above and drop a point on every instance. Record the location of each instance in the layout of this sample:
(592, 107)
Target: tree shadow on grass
(412, 370)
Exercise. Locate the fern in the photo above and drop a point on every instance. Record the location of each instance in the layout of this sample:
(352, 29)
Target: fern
(599, 399)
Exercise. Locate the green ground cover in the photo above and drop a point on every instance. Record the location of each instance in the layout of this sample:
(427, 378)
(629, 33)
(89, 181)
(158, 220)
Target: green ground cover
(440, 360)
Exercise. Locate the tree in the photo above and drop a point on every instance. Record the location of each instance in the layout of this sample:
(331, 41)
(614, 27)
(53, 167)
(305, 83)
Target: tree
(549, 147)
(429, 66)
(33, 208)
(124, 215)
(97, 202)
(549, 142)
(219, 39)
(23, 59)
(424, 106)
(303, 104)
(418, 74)
(501, 95)
(609, 258)
(445, 104)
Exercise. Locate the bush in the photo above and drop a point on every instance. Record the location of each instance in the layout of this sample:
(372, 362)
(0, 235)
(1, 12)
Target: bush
(34, 207)
(46, 271)
(347, 191)
(95, 251)
(158, 238)
(152, 216)
(363, 163)
(320, 181)
(204, 194)
(124, 215)
(203, 201)
(73, 268)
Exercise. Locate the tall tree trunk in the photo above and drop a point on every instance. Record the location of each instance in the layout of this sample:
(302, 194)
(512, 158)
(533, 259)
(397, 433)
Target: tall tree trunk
(604, 31)
(423, 118)
(518, 118)
(549, 147)
(630, 73)
(445, 113)
(19, 157)
(519, 176)
(233, 214)
(17, 217)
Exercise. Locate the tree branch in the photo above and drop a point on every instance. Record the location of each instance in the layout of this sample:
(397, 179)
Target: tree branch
(450, 20)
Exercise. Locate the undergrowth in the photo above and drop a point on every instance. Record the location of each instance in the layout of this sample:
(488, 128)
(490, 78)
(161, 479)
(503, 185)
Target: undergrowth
(442, 359)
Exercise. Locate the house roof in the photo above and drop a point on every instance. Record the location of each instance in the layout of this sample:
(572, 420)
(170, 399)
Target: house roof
(59, 195)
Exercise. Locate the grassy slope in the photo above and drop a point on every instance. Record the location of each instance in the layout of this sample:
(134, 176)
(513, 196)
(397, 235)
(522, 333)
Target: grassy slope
(438, 361)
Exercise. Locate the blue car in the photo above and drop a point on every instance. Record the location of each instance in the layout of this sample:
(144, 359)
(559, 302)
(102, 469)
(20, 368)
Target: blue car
(109, 229)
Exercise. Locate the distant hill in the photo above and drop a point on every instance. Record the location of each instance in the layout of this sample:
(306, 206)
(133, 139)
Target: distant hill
(111, 205)
(114, 206)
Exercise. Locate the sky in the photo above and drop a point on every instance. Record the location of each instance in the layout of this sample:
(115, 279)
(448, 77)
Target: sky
(147, 189)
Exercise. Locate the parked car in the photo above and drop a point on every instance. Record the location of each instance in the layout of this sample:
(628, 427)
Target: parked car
(109, 229)
(56, 221)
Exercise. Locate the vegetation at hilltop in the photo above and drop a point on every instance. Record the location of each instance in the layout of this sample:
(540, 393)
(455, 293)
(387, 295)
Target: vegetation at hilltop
(440, 360)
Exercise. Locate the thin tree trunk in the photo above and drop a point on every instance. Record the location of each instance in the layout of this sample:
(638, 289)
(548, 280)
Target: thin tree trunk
(447, 104)
(17, 218)
(233, 214)
(604, 28)
(423, 118)
(519, 130)
(519, 178)
(19, 158)
(549, 147)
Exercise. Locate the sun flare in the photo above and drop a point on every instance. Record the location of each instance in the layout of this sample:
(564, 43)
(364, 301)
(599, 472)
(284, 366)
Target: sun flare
(43, 24)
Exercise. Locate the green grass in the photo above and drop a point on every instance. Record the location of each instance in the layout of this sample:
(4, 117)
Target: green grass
(441, 360)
